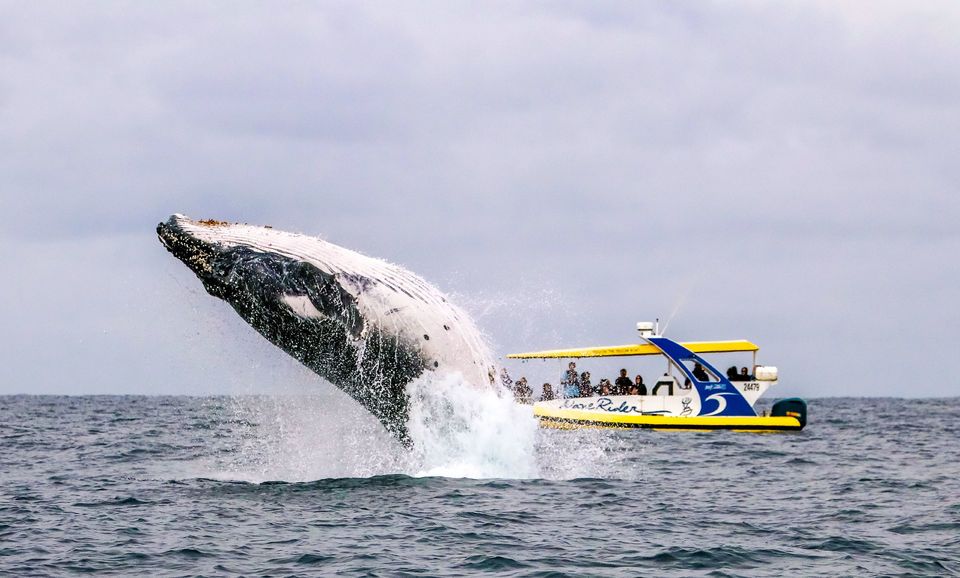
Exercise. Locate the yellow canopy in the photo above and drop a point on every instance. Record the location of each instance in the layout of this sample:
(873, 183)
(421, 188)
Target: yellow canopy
(641, 349)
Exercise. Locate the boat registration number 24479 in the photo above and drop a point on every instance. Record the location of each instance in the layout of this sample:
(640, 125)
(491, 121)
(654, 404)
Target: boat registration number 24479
(752, 386)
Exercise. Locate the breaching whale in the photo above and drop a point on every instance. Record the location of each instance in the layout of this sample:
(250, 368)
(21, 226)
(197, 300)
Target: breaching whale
(365, 325)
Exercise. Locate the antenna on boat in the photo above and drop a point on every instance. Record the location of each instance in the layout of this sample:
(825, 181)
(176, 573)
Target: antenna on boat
(656, 328)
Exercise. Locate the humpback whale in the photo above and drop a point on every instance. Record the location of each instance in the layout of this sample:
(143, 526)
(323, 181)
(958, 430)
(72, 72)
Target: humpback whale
(367, 326)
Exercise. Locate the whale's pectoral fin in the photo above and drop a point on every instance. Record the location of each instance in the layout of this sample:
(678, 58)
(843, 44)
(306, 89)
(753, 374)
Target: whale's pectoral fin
(328, 297)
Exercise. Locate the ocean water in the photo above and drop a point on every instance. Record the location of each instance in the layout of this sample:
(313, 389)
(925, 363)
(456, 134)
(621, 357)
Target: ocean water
(273, 486)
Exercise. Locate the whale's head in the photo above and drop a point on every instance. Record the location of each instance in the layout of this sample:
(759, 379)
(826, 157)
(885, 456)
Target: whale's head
(367, 326)
(203, 254)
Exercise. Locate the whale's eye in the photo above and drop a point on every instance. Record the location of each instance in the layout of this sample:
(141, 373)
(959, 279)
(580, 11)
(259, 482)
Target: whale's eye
(427, 337)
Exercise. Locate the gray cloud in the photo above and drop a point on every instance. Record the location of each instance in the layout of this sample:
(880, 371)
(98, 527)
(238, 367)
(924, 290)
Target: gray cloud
(788, 166)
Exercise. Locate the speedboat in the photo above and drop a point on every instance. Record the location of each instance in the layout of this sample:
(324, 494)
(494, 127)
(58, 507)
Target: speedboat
(705, 399)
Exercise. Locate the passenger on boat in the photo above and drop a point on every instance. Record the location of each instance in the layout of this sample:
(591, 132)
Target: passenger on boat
(633, 390)
(522, 392)
(699, 372)
(638, 383)
(547, 394)
(622, 383)
(605, 388)
(570, 384)
(586, 389)
(732, 374)
(745, 375)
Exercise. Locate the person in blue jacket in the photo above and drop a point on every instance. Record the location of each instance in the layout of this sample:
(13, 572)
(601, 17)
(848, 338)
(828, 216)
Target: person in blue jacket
(570, 383)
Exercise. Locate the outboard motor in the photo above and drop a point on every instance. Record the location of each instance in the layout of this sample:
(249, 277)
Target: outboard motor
(791, 407)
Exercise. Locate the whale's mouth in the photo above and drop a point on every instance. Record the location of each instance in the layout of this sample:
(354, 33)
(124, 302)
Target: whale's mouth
(193, 252)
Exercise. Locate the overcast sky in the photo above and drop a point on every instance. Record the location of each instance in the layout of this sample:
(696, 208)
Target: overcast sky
(783, 172)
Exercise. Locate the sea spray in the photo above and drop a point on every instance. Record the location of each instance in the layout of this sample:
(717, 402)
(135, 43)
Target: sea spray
(465, 432)
(304, 437)
(458, 431)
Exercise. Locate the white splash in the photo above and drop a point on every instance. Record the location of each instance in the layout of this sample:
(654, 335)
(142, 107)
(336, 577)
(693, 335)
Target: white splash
(459, 432)
(464, 432)
(303, 437)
